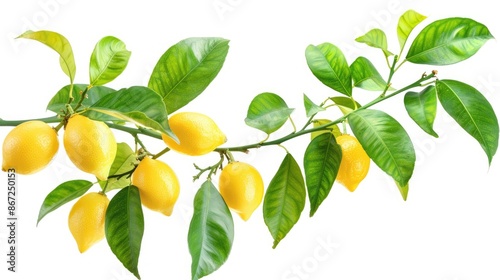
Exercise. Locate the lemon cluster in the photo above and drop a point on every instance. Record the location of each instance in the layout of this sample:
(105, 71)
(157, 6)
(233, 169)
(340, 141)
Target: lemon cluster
(91, 147)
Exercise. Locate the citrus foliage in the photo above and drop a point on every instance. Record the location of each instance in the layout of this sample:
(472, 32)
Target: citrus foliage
(134, 177)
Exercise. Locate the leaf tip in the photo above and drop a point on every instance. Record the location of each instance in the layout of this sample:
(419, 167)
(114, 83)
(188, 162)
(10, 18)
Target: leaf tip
(24, 34)
(275, 243)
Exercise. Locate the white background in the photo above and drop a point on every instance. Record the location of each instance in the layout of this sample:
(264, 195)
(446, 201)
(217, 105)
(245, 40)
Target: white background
(449, 229)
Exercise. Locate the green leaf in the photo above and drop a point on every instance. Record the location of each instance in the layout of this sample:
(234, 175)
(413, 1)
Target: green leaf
(123, 163)
(448, 41)
(124, 227)
(108, 60)
(61, 195)
(58, 43)
(375, 38)
(321, 164)
(139, 105)
(471, 111)
(285, 199)
(407, 22)
(345, 104)
(386, 143)
(211, 232)
(333, 129)
(267, 112)
(329, 65)
(422, 106)
(311, 108)
(403, 189)
(58, 102)
(186, 69)
(366, 76)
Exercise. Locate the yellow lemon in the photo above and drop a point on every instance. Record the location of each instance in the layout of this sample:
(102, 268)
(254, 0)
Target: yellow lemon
(242, 188)
(86, 219)
(90, 145)
(29, 147)
(355, 162)
(158, 185)
(198, 134)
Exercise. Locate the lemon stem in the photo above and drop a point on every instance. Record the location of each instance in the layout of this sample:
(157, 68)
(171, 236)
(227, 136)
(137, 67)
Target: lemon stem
(244, 148)
(278, 141)
(229, 155)
(162, 152)
(212, 169)
(391, 74)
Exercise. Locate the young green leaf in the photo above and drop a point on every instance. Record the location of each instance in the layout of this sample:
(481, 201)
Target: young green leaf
(407, 22)
(58, 43)
(211, 232)
(333, 129)
(321, 164)
(285, 199)
(267, 112)
(186, 69)
(124, 227)
(366, 76)
(59, 101)
(108, 60)
(471, 111)
(139, 105)
(448, 41)
(422, 106)
(61, 195)
(327, 62)
(376, 38)
(311, 108)
(386, 143)
(123, 163)
(345, 104)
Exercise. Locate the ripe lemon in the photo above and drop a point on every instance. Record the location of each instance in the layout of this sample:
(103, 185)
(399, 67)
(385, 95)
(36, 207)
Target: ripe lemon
(29, 147)
(355, 162)
(198, 134)
(86, 219)
(242, 188)
(158, 185)
(90, 145)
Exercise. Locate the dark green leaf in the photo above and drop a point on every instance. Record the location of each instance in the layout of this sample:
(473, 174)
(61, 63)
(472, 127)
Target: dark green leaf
(211, 232)
(421, 106)
(386, 143)
(407, 22)
(328, 64)
(186, 69)
(311, 108)
(58, 102)
(284, 200)
(108, 60)
(366, 76)
(267, 112)
(124, 227)
(123, 163)
(139, 105)
(471, 111)
(334, 129)
(63, 194)
(58, 43)
(375, 38)
(321, 164)
(345, 104)
(448, 41)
